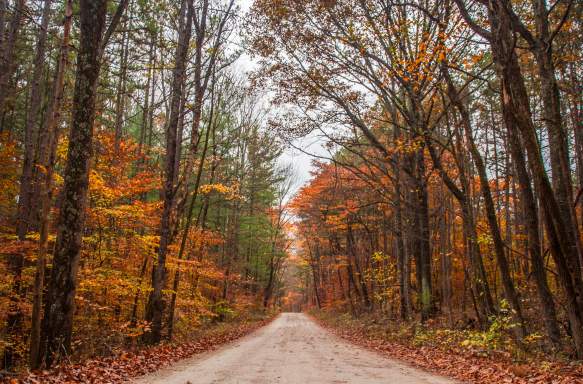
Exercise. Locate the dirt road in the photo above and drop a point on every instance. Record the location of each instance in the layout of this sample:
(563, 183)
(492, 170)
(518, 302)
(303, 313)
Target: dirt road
(292, 349)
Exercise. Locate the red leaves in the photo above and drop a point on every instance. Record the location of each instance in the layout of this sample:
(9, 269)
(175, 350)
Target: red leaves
(463, 366)
(127, 365)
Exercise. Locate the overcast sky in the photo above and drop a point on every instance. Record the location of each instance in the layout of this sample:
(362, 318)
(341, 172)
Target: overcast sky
(300, 161)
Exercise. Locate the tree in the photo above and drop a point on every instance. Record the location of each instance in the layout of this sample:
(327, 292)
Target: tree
(60, 305)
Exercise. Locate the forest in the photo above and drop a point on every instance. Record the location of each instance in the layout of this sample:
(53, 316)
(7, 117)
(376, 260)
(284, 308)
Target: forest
(452, 188)
(141, 196)
(147, 197)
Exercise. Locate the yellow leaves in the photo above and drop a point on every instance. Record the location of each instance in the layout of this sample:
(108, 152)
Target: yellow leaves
(58, 180)
(151, 241)
(231, 192)
(336, 221)
(408, 146)
(379, 256)
(9, 169)
(99, 192)
(103, 278)
(484, 239)
(116, 190)
(351, 32)
(419, 69)
(383, 273)
(219, 188)
(136, 210)
(62, 149)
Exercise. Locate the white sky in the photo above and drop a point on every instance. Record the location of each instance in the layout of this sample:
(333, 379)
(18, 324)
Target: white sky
(300, 161)
(245, 4)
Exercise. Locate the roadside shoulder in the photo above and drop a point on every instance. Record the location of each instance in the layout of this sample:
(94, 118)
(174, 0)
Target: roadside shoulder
(130, 365)
(456, 364)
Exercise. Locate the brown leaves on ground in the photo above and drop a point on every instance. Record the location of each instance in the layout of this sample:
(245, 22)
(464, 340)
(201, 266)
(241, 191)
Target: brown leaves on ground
(127, 365)
(459, 364)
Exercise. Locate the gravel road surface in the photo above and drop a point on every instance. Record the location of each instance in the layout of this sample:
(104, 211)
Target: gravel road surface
(292, 349)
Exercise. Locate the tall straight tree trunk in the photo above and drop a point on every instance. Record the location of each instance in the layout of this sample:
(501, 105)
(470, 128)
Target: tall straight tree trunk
(3, 9)
(199, 87)
(517, 116)
(479, 286)
(58, 319)
(48, 138)
(424, 245)
(8, 57)
(534, 241)
(315, 267)
(188, 224)
(150, 84)
(351, 248)
(576, 106)
(541, 45)
(552, 117)
(507, 282)
(121, 91)
(400, 246)
(273, 265)
(16, 261)
(479, 280)
(404, 299)
(205, 61)
(25, 202)
(449, 228)
(156, 302)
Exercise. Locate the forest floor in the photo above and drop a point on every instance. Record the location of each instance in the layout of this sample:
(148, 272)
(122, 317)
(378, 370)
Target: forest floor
(292, 349)
(440, 351)
(125, 366)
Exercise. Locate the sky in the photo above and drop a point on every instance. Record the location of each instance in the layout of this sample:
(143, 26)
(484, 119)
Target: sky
(245, 4)
(300, 160)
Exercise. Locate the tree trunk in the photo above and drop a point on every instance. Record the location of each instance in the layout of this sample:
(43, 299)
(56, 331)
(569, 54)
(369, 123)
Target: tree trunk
(3, 9)
(8, 57)
(479, 285)
(552, 117)
(121, 92)
(48, 138)
(156, 302)
(58, 319)
(402, 257)
(423, 237)
(186, 229)
(25, 203)
(517, 116)
(507, 283)
(351, 245)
